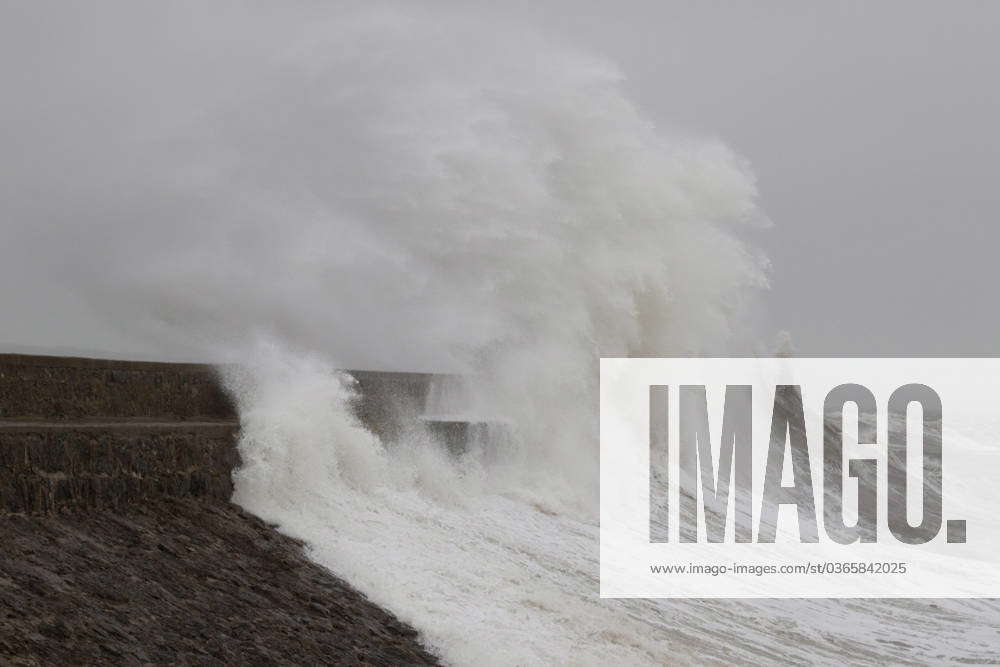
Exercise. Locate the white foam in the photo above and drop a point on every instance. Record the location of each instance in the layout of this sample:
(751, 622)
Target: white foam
(410, 191)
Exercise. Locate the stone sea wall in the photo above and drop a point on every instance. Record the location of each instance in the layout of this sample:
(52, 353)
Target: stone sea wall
(121, 545)
(105, 433)
(96, 433)
(67, 388)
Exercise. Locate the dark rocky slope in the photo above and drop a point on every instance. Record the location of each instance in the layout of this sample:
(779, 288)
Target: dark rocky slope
(180, 581)
(119, 545)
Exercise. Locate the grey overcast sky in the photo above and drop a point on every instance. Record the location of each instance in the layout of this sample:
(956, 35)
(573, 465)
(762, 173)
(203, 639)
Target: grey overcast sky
(871, 127)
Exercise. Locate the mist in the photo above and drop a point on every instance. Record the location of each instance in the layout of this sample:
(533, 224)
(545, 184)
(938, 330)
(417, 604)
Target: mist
(112, 110)
(509, 195)
(381, 187)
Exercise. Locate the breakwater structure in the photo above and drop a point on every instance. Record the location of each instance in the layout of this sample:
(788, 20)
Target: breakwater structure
(120, 544)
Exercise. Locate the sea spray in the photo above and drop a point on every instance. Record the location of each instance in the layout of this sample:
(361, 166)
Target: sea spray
(301, 443)
(410, 191)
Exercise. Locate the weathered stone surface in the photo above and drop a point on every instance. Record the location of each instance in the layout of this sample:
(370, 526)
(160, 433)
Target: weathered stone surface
(388, 402)
(180, 581)
(119, 546)
(48, 466)
(51, 388)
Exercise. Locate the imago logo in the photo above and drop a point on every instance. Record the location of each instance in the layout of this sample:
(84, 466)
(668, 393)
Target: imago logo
(788, 441)
(800, 477)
